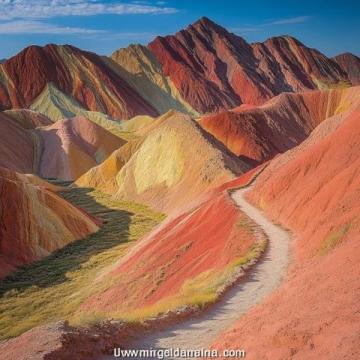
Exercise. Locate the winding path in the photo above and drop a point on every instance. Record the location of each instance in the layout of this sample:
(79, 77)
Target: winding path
(264, 278)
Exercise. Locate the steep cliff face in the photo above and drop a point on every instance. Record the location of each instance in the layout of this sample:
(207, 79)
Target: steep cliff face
(35, 221)
(259, 133)
(82, 74)
(215, 70)
(351, 64)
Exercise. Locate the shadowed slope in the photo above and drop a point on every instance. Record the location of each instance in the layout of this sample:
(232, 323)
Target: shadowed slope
(351, 64)
(313, 189)
(81, 74)
(214, 70)
(17, 150)
(28, 119)
(54, 287)
(36, 221)
(259, 133)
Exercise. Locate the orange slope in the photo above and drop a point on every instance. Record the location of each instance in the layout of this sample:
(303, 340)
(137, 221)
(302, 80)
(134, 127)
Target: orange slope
(259, 133)
(314, 190)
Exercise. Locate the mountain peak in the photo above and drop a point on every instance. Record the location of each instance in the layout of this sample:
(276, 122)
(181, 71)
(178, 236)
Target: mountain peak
(206, 23)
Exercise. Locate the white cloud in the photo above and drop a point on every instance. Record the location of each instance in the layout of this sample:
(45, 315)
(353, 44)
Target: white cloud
(286, 21)
(42, 9)
(293, 20)
(37, 27)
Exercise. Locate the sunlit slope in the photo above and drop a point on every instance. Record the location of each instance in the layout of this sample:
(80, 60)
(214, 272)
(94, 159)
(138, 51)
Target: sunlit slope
(139, 67)
(314, 190)
(214, 69)
(161, 169)
(81, 74)
(259, 133)
(70, 147)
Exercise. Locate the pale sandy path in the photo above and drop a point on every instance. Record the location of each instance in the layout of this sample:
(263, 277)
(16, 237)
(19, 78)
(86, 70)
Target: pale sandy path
(263, 279)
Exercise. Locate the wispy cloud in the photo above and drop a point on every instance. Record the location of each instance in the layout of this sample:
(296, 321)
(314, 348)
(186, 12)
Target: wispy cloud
(257, 27)
(292, 20)
(37, 27)
(42, 9)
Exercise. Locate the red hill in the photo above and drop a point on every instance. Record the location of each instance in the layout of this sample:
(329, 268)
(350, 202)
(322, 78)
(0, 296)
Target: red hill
(214, 69)
(81, 74)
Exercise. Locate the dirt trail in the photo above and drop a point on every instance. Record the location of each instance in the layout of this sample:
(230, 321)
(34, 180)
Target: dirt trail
(263, 279)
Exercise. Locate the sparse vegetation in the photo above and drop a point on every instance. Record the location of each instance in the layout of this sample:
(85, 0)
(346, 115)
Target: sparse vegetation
(200, 291)
(55, 287)
(333, 239)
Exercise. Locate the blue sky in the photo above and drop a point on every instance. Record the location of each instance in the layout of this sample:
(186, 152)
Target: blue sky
(104, 26)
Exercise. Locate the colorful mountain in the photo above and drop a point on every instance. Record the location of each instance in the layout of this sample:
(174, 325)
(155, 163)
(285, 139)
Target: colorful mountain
(159, 170)
(36, 221)
(259, 133)
(188, 261)
(139, 67)
(81, 74)
(17, 150)
(70, 147)
(28, 119)
(214, 69)
(350, 63)
(314, 191)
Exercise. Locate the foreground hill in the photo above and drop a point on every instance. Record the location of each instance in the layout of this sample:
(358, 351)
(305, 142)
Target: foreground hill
(351, 64)
(215, 70)
(36, 221)
(167, 167)
(314, 190)
(259, 133)
(78, 73)
(190, 260)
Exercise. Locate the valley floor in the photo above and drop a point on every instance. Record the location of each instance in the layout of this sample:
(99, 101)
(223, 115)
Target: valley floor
(264, 278)
(54, 288)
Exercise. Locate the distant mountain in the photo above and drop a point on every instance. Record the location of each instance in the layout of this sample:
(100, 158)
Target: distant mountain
(214, 69)
(351, 64)
(81, 74)
(201, 69)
